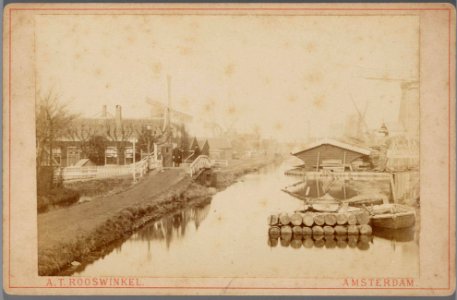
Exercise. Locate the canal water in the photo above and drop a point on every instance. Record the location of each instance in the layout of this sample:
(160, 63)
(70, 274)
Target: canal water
(229, 238)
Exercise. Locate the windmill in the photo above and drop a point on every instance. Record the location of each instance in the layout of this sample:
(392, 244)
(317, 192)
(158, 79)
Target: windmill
(408, 115)
(362, 130)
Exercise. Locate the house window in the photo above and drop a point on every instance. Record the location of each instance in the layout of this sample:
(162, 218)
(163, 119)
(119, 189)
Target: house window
(57, 156)
(128, 155)
(73, 155)
(111, 155)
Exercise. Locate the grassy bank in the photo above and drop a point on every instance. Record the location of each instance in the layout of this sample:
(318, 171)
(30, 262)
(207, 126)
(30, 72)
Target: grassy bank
(57, 196)
(101, 187)
(72, 192)
(90, 245)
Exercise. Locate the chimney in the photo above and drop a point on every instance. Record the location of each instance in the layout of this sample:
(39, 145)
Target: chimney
(118, 116)
(104, 112)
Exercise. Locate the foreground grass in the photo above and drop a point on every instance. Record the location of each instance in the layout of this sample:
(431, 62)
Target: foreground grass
(101, 187)
(57, 196)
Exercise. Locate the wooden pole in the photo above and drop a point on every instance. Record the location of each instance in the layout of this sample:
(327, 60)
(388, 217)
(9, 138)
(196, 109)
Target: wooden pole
(392, 186)
(344, 161)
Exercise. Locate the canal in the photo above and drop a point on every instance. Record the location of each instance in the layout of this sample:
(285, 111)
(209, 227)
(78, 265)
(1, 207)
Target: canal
(229, 238)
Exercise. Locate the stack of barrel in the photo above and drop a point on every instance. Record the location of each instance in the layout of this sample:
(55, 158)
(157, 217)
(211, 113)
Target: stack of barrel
(299, 225)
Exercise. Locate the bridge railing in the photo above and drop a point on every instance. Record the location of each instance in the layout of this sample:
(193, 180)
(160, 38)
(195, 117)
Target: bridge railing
(201, 162)
(220, 163)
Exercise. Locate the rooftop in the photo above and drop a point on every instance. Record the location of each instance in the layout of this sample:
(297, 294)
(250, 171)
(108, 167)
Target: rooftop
(335, 143)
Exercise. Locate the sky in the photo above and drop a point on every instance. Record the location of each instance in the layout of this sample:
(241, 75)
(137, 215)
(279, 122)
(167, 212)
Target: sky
(281, 75)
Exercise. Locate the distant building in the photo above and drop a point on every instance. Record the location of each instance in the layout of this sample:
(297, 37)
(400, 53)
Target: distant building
(331, 154)
(205, 150)
(114, 137)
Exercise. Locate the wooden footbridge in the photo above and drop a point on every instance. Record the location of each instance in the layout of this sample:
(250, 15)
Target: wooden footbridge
(199, 165)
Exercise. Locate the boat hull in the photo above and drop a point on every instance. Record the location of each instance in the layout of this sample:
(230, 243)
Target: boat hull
(395, 221)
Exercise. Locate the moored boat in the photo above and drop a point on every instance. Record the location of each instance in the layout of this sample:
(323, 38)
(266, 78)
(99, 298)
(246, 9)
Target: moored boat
(392, 216)
(366, 200)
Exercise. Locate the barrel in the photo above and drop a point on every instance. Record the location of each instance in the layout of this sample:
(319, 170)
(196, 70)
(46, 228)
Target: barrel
(284, 219)
(308, 219)
(317, 230)
(296, 219)
(274, 232)
(352, 230)
(273, 220)
(363, 218)
(307, 231)
(330, 219)
(341, 219)
(319, 219)
(297, 232)
(286, 231)
(341, 230)
(365, 229)
(329, 230)
(352, 219)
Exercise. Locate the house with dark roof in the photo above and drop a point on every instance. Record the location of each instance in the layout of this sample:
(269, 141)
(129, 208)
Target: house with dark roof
(108, 138)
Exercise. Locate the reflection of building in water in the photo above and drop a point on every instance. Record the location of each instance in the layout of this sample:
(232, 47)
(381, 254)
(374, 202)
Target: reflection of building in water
(341, 189)
(173, 226)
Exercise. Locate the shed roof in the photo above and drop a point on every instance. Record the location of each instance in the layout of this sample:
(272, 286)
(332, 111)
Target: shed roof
(83, 162)
(335, 143)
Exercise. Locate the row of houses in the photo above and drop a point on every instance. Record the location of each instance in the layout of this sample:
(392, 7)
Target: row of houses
(110, 139)
(107, 139)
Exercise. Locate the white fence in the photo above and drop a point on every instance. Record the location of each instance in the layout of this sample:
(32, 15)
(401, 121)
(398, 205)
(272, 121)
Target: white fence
(219, 163)
(98, 172)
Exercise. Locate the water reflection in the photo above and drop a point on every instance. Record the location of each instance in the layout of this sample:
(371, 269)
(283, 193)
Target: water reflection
(340, 189)
(230, 238)
(173, 226)
(361, 242)
(397, 235)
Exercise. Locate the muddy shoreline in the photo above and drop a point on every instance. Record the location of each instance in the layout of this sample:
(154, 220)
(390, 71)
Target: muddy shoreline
(84, 249)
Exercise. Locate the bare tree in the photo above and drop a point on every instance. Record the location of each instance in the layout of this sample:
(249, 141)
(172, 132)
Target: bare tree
(52, 119)
(81, 133)
(119, 135)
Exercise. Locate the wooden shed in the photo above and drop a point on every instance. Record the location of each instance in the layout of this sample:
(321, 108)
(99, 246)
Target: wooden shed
(331, 154)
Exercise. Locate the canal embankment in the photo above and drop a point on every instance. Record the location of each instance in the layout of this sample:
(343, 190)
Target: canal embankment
(81, 233)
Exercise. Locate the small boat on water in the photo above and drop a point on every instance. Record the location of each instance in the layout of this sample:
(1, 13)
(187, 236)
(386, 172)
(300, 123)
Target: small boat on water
(392, 216)
(367, 199)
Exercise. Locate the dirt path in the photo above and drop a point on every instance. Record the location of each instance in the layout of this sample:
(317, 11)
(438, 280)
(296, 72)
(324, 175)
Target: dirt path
(64, 225)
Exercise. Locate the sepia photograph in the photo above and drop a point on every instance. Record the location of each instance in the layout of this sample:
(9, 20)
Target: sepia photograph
(229, 145)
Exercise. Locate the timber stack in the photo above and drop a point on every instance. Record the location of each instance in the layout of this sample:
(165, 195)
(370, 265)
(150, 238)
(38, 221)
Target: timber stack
(316, 224)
